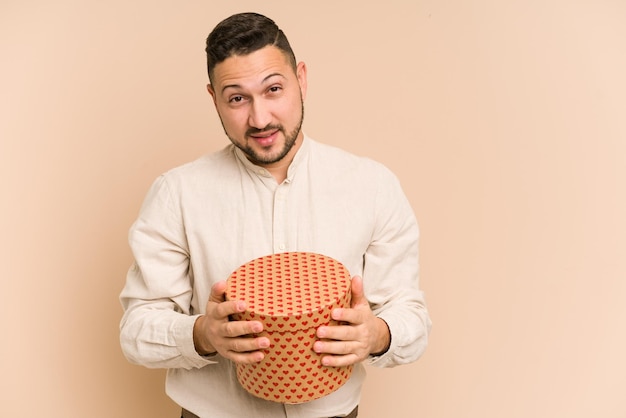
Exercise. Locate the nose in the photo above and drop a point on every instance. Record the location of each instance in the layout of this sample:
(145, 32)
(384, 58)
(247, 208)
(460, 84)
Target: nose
(260, 115)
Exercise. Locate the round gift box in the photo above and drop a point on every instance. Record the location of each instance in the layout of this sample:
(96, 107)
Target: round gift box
(291, 294)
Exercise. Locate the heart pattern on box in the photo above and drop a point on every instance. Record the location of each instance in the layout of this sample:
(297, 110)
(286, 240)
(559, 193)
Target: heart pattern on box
(291, 294)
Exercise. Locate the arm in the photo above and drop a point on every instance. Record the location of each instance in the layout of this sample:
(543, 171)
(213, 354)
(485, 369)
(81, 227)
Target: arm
(157, 327)
(391, 276)
(395, 315)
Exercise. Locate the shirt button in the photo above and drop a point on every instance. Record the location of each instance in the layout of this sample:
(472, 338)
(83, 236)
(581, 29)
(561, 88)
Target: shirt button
(281, 247)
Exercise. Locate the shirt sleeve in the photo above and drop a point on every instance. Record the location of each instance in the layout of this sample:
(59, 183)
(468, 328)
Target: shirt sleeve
(391, 275)
(156, 329)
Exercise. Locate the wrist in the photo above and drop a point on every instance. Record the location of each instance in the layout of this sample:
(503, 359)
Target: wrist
(383, 340)
(201, 344)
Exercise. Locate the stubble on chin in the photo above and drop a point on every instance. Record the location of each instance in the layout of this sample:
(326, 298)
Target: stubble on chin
(269, 157)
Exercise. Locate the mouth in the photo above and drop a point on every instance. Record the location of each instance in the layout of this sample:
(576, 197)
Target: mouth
(265, 138)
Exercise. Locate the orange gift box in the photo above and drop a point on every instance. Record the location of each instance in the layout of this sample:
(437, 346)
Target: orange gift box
(291, 294)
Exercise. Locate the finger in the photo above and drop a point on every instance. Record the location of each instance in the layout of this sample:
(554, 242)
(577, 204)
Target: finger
(234, 329)
(218, 292)
(246, 350)
(358, 294)
(246, 358)
(337, 332)
(339, 361)
(340, 353)
(335, 347)
(247, 345)
(354, 316)
(224, 310)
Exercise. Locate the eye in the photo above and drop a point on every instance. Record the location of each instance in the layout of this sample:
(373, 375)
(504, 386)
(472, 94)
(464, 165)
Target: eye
(274, 89)
(235, 99)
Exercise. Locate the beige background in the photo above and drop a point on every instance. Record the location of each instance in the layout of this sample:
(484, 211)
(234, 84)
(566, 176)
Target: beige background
(503, 119)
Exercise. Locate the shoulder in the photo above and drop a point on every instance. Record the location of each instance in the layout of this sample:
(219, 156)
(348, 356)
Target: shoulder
(336, 159)
(213, 161)
(203, 175)
(203, 169)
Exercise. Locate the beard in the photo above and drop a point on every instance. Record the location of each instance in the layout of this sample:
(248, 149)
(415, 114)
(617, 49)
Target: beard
(263, 158)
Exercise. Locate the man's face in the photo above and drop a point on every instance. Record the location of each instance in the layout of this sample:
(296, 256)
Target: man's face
(259, 100)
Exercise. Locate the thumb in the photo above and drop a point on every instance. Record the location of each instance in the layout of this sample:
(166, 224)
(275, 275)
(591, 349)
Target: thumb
(358, 295)
(218, 292)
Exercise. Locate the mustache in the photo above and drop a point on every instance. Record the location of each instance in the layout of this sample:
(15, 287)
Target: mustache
(256, 131)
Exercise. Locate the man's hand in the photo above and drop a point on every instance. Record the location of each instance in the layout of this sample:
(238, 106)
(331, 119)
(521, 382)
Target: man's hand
(214, 332)
(359, 335)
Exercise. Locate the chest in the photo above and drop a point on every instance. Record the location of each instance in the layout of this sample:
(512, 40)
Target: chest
(228, 226)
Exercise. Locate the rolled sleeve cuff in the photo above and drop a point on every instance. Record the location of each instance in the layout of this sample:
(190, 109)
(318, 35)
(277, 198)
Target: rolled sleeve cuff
(407, 344)
(386, 358)
(183, 336)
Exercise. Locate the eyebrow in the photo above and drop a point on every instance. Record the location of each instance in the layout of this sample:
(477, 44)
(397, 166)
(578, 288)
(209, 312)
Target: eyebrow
(235, 86)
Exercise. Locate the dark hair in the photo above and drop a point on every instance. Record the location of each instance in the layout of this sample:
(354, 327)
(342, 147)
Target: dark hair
(242, 34)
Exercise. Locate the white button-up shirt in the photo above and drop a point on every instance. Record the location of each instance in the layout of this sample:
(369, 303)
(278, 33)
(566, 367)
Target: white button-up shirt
(201, 221)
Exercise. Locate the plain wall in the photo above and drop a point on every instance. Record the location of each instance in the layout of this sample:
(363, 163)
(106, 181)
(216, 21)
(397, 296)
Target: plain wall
(505, 121)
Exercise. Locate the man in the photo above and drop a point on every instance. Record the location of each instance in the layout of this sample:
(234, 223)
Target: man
(272, 190)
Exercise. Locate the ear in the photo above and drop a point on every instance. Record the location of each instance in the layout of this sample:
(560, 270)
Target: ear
(211, 91)
(301, 74)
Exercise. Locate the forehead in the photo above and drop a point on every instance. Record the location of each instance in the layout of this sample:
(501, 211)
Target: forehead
(251, 69)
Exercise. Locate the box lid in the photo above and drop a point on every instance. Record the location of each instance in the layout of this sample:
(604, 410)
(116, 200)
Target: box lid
(290, 291)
